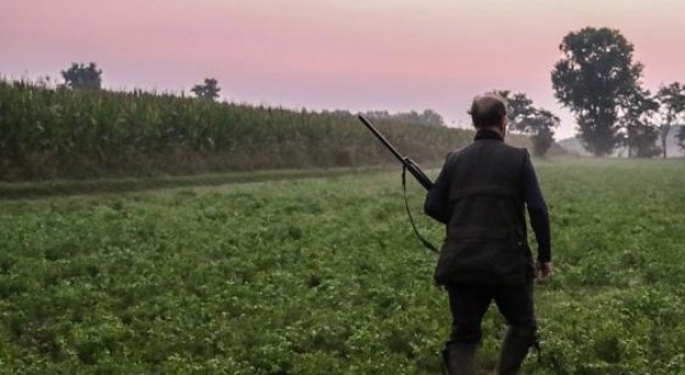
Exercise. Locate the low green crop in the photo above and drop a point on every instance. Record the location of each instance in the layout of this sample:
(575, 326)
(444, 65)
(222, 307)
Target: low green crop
(325, 276)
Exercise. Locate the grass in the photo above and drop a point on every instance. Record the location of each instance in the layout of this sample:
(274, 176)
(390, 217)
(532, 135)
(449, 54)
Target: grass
(323, 275)
(55, 188)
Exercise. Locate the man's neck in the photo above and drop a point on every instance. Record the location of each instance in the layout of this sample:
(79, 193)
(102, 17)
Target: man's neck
(496, 129)
(489, 133)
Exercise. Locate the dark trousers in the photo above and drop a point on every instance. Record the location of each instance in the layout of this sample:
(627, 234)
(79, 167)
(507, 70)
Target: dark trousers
(468, 304)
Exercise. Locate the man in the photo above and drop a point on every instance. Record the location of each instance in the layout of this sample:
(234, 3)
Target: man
(481, 195)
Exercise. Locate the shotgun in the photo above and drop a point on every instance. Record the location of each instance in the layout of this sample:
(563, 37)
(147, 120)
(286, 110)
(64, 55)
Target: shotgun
(414, 169)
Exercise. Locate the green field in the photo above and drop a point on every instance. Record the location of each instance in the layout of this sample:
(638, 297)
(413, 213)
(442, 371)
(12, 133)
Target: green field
(324, 276)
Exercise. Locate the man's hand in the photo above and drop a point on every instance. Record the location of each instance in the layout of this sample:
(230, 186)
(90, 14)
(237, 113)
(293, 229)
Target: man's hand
(544, 271)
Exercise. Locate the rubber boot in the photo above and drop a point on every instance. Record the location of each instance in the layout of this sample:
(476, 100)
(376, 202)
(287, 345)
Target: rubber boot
(517, 342)
(459, 359)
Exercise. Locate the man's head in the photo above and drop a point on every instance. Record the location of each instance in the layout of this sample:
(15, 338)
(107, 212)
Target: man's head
(489, 111)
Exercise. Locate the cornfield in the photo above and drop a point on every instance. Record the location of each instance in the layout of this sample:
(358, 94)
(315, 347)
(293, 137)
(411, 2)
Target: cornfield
(60, 133)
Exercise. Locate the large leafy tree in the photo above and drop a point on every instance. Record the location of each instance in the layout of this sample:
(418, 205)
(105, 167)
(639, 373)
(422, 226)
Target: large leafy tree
(672, 107)
(208, 90)
(80, 76)
(593, 79)
(639, 132)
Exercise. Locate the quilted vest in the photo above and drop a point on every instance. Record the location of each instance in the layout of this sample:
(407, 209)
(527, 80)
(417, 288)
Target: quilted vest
(486, 241)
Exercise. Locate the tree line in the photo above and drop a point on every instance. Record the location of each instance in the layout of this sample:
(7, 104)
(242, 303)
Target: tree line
(535, 123)
(600, 83)
(597, 79)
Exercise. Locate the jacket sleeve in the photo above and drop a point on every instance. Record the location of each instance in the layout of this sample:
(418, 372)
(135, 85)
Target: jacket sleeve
(537, 210)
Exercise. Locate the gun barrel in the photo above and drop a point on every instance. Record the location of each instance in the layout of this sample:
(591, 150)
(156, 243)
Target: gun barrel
(408, 163)
(382, 138)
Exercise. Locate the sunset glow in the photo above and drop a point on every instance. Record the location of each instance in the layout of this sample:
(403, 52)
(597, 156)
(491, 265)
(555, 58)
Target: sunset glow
(355, 55)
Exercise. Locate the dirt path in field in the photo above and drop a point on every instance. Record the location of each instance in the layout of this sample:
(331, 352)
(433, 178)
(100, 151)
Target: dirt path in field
(34, 190)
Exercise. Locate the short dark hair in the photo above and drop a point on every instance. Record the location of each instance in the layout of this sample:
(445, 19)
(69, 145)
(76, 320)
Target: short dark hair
(488, 110)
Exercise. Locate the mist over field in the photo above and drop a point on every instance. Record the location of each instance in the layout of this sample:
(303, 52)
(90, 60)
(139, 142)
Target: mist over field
(574, 145)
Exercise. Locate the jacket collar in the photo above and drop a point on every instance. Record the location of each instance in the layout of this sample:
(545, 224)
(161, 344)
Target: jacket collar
(487, 134)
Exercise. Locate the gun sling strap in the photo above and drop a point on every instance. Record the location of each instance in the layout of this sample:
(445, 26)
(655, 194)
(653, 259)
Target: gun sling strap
(423, 240)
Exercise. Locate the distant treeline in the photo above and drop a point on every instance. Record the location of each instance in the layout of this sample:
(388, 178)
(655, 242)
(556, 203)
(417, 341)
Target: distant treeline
(62, 133)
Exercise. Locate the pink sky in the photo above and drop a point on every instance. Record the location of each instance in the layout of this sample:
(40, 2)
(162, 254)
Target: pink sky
(323, 54)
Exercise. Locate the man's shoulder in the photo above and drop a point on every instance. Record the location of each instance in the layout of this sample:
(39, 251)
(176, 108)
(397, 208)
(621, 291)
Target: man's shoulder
(518, 150)
(507, 150)
(456, 153)
(511, 147)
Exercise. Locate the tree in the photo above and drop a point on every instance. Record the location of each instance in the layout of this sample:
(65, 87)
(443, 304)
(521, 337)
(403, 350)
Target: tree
(208, 90)
(672, 105)
(640, 135)
(593, 78)
(80, 76)
(544, 122)
(520, 111)
(524, 118)
(431, 118)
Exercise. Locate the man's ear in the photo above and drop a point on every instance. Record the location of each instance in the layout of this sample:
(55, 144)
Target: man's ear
(503, 128)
